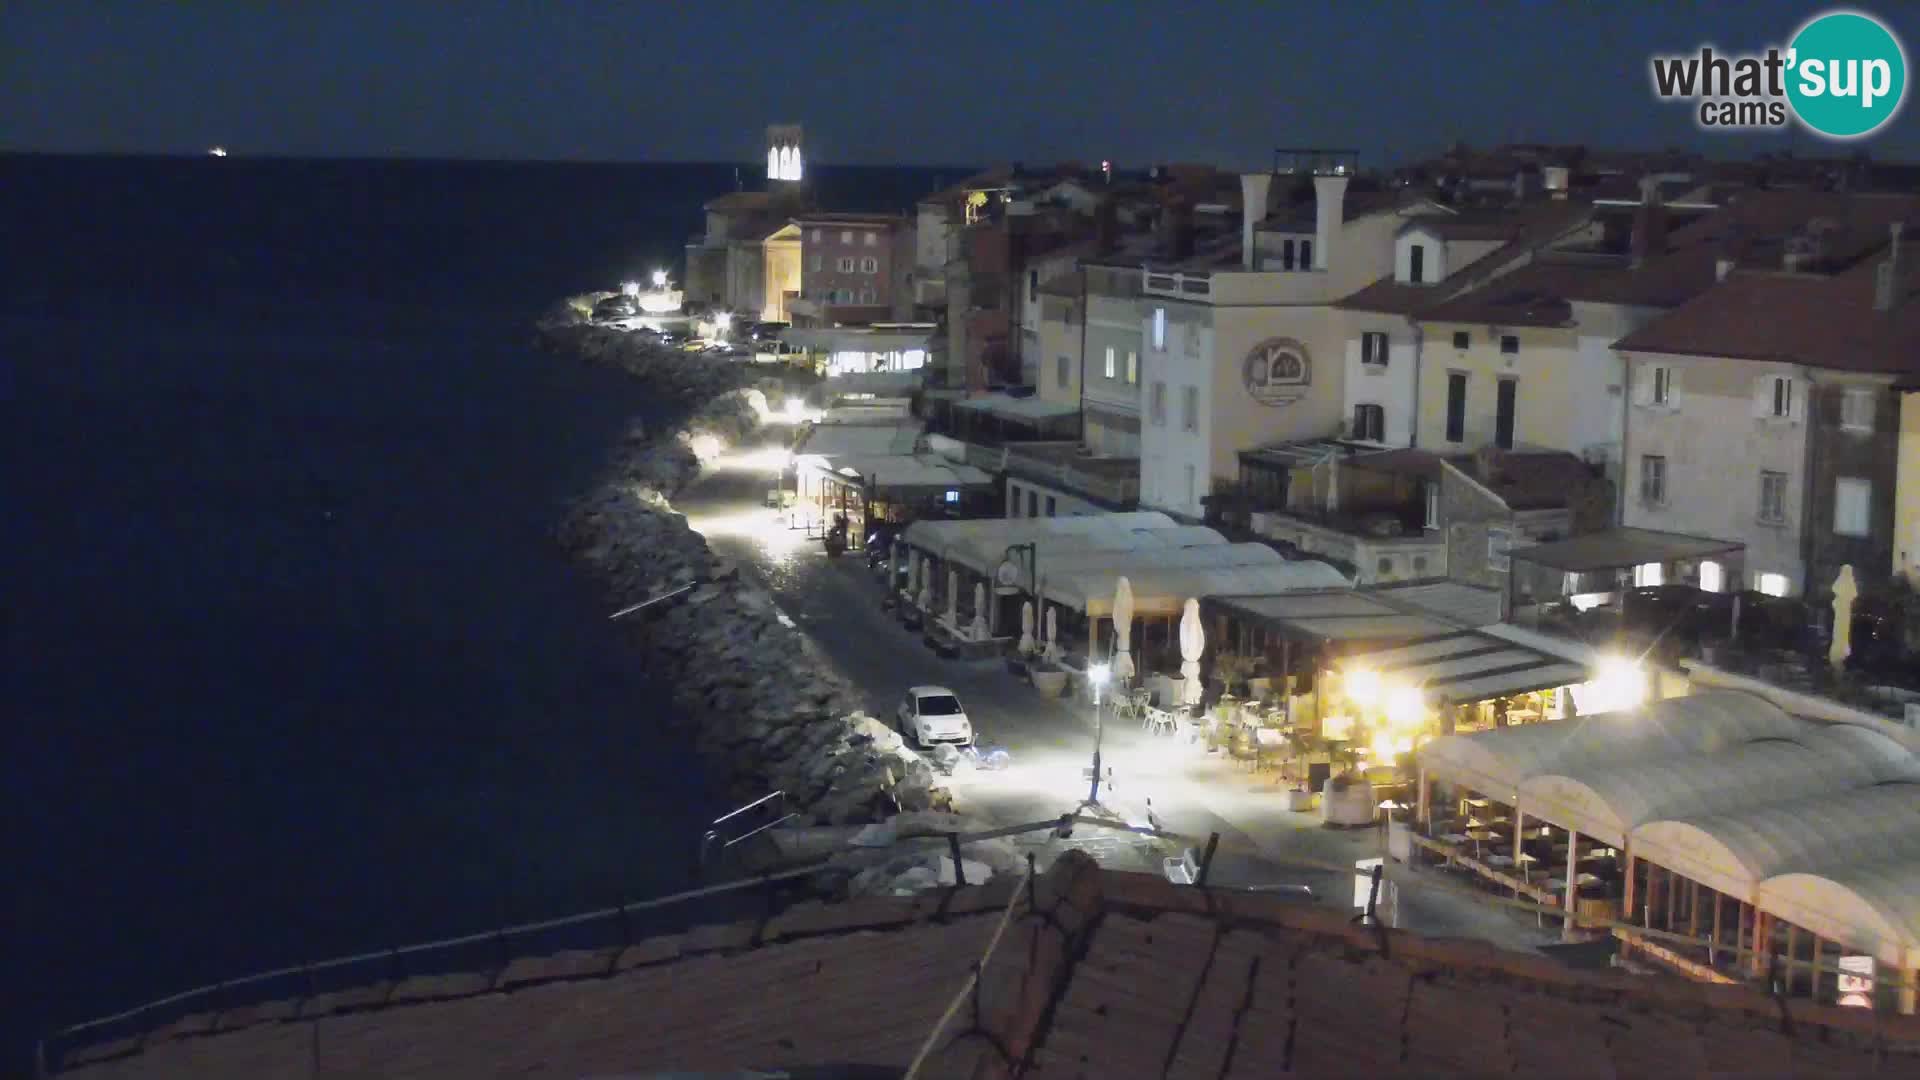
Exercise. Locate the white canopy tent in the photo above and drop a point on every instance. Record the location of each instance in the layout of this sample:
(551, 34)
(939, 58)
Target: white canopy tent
(1867, 905)
(979, 545)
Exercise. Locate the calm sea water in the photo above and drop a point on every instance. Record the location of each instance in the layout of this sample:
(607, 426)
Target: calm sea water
(293, 668)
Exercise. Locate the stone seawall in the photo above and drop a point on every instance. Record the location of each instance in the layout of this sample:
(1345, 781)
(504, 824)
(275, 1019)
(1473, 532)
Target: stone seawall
(767, 710)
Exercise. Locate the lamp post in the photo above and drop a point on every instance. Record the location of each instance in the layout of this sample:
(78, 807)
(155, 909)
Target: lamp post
(1097, 678)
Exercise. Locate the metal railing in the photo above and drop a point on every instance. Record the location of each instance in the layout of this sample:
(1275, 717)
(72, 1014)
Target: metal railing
(719, 839)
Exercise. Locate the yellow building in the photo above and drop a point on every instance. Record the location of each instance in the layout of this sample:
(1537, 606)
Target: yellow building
(1906, 490)
(780, 257)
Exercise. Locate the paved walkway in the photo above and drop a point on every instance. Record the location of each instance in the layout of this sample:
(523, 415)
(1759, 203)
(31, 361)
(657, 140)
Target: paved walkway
(836, 602)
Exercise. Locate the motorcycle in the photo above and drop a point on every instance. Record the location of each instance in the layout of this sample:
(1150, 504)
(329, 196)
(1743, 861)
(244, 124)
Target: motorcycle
(836, 539)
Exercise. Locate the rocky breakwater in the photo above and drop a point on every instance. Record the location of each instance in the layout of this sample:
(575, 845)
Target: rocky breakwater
(769, 712)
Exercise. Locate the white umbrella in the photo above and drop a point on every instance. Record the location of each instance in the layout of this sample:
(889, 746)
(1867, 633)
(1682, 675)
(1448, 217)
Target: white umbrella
(980, 630)
(953, 598)
(923, 579)
(1193, 643)
(1053, 633)
(1026, 628)
(1122, 630)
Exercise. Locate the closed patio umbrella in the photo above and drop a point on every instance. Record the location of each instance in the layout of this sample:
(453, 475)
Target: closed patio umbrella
(1193, 644)
(1053, 633)
(980, 630)
(1122, 631)
(953, 598)
(923, 584)
(1026, 628)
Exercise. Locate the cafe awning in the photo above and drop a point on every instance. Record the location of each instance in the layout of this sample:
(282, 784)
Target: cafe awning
(1463, 666)
(1619, 549)
(1331, 615)
(1164, 590)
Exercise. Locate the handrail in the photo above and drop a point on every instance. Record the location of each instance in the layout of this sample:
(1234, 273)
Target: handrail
(737, 811)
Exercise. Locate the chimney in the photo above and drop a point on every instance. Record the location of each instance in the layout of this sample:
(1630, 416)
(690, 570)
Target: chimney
(1106, 227)
(1649, 222)
(1886, 276)
(1253, 210)
(1329, 213)
(1556, 177)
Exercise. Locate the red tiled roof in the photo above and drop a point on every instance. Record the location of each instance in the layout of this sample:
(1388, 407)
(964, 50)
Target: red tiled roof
(1098, 974)
(1527, 228)
(1825, 322)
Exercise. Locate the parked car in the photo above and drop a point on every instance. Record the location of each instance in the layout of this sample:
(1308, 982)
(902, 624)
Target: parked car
(932, 714)
(615, 307)
(1239, 872)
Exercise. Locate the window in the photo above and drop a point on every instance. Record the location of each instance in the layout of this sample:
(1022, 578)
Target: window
(1013, 500)
(1660, 386)
(1160, 329)
(1433, 505)
(814, 264)
(1712, 577)
(845, 264)
(1509, 344)
(1417, 263)
(1851, 498)
(1384, 566)
(1773, 397)
(1505, 403)
(1190, 408)
(871, 238)
(1110, 367)
(1033, 286)
(1373, 349)
(1191, 336)
(1456, 406)
(1649, 575)
(846, 236)
(869, 265)
(1499, 543)
(868, 296)
(1773, 497)
(1653, 479)
(1462, 339)
(819, 236)
(1050, 506)
(1191, 489)
(1033, 503)
(1856, 410)
(1286, 254)
(1306, 254)
(1370, 422)
(1773, 584)
(1062, 371)
(1133, 368)
(1157, 404)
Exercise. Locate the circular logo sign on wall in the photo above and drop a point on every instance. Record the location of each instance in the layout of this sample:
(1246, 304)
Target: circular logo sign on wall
(1277, 371)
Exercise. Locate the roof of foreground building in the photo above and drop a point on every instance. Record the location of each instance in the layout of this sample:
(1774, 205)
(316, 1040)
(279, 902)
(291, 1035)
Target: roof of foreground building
(1083, 972)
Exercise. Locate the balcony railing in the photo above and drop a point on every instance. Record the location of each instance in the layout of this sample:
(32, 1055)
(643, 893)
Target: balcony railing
(1178, 284)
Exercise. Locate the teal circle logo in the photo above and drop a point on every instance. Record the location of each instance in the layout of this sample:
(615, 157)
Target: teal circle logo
(1846, 75)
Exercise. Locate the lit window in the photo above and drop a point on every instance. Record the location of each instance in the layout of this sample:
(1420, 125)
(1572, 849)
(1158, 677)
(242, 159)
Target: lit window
(1856, 410)
(1712, 578)
(1773, 584)
(1649, 575)
(1160, 328)
(1110, 367)
(846, 236)
(1852, 496)
(870, 239)
(1133, 368)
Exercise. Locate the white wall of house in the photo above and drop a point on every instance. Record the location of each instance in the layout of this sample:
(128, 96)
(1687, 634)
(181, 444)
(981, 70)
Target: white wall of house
(1113, 328)
(1390, 386)
(1715, 449)
(1176, 412)
(1433, 263)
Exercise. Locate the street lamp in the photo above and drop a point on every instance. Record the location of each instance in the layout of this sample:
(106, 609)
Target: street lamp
(659, 279)
(1097, 675)
(722, 323)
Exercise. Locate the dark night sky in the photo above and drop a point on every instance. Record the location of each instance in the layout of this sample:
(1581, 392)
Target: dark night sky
(923, 82)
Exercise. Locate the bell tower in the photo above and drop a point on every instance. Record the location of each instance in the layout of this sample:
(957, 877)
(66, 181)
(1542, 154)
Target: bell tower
(785, 162)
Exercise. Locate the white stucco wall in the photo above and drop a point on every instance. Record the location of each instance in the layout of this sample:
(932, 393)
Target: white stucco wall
(1167, 449)
(1716, 449)
(1433, 265)
(1392, 387)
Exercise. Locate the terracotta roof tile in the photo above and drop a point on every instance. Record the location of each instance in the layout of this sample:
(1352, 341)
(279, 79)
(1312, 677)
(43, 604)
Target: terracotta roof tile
(1159, 980)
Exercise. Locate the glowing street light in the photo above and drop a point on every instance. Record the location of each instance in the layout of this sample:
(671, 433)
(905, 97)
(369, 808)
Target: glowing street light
(723, 322)
(794, 406)
(1363, 686)
(659, 279)
(1405, 707)
(630, 288)
(1097, 676)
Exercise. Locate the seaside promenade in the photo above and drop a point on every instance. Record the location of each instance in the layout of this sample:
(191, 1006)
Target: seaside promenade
(835, 603)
